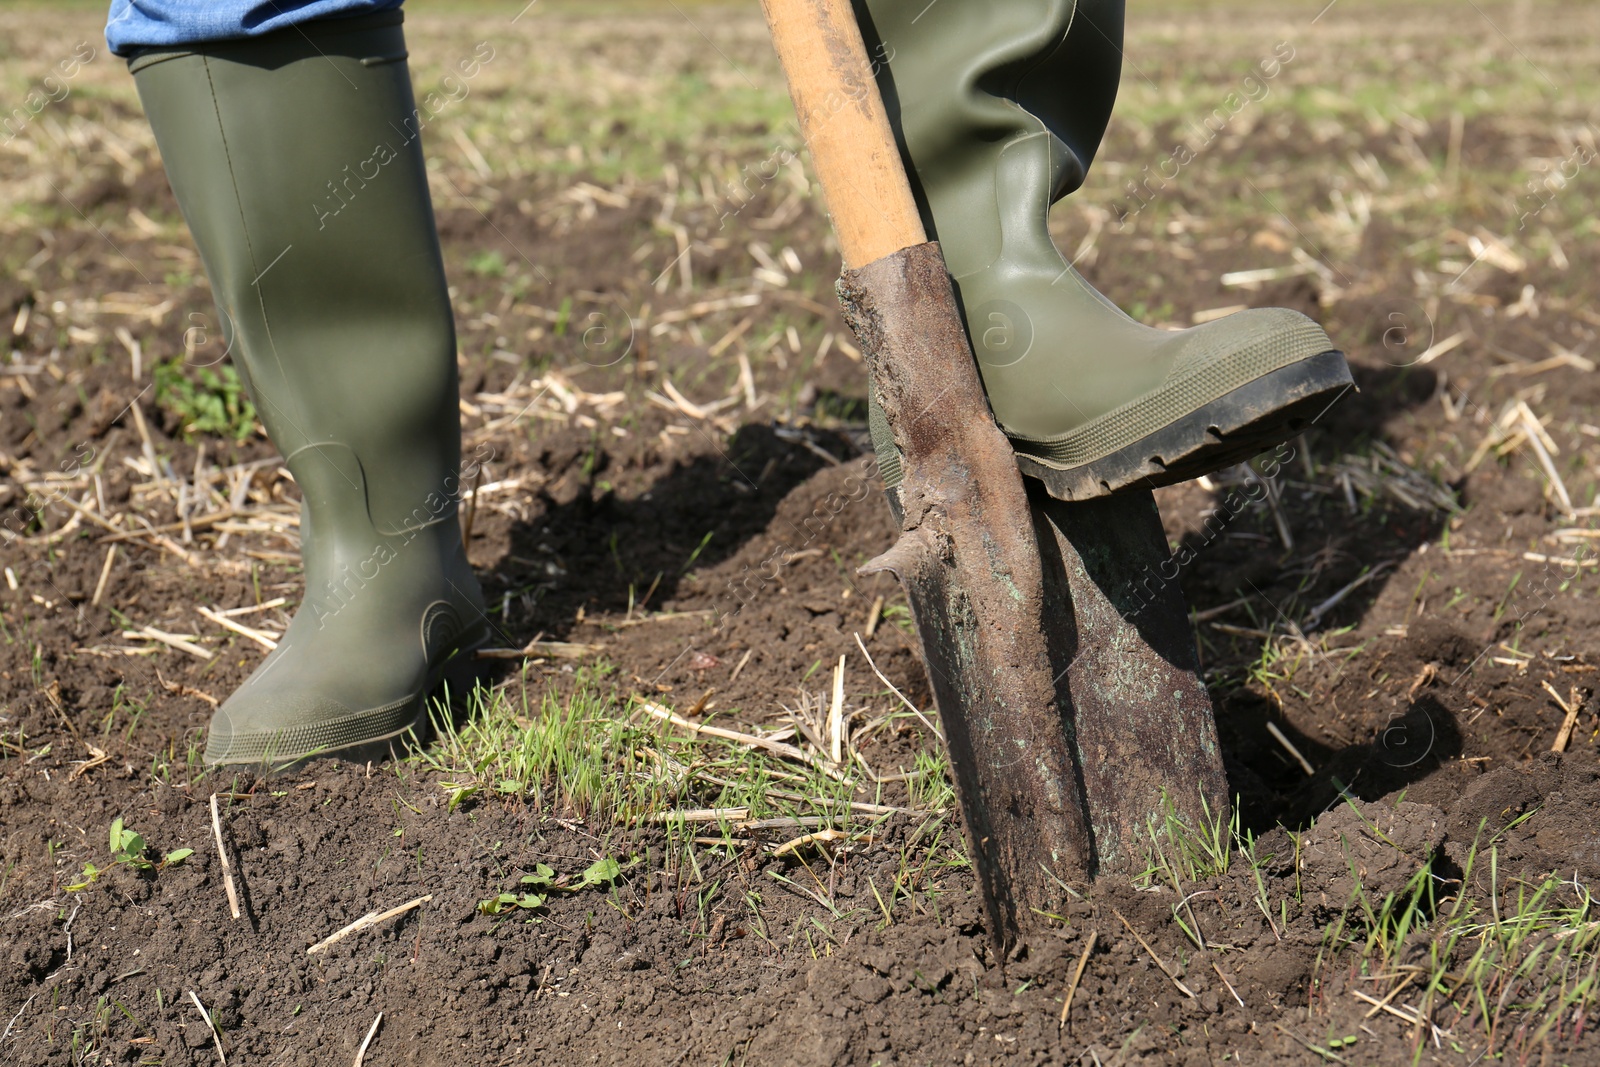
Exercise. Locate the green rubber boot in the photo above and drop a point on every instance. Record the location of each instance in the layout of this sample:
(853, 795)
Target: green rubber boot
(296, 162)
(999, 108)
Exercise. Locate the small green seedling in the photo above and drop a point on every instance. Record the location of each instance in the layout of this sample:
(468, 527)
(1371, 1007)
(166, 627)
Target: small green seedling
(211, 402)
(543, 876)
(91, 873)
(129, 847)
(601, 872)
(457, 793)
(126, 846)
(543, 882)
(505, 902)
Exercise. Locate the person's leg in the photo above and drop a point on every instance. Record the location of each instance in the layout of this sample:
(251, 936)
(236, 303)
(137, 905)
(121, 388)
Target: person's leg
(296, 161)
(132, 25)
(1000, 107)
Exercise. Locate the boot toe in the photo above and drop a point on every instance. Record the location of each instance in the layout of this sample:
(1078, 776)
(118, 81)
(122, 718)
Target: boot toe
(1248, 344)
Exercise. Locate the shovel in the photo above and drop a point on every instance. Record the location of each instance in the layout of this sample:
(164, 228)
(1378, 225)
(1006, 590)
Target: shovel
(1069, 693)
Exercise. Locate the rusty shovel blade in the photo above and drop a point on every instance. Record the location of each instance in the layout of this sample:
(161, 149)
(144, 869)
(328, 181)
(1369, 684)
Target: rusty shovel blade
(968, 557)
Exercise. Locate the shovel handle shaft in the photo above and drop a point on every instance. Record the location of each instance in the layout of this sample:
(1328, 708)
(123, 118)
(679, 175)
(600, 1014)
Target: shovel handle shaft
(846, 128)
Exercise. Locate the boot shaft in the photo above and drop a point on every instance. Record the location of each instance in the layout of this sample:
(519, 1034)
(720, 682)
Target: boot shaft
(296, 159)
(963, 80)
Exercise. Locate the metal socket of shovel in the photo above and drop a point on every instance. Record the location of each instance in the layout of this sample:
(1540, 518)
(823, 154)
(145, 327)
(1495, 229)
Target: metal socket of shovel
(1068, 688)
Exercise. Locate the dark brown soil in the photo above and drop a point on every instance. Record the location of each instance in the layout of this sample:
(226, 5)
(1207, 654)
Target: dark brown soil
(1419, 700)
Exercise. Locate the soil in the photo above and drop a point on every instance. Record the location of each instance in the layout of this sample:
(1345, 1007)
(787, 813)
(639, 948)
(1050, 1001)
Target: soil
(1435, 637)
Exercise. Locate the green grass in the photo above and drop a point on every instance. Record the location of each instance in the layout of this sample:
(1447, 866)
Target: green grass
(1485, 956)
(579, 756)
(592, 756)
(595, 757)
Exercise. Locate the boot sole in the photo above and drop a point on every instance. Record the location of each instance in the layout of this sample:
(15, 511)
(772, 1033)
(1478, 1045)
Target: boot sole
(1240, 424)
(459, 670)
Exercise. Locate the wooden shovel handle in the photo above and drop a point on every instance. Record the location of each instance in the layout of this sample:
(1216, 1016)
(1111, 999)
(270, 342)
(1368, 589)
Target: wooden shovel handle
(846, 127)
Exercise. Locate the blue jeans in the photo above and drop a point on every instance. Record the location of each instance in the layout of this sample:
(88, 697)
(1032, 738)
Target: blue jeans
(135, 24)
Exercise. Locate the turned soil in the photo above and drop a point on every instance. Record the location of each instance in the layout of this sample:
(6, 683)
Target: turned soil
(1408, 621)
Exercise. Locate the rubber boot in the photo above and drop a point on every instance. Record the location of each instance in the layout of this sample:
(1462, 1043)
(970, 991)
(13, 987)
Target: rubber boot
(999, 106)
(295, 160)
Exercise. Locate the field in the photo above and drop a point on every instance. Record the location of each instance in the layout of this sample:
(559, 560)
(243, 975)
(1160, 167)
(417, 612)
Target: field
(647, 840)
